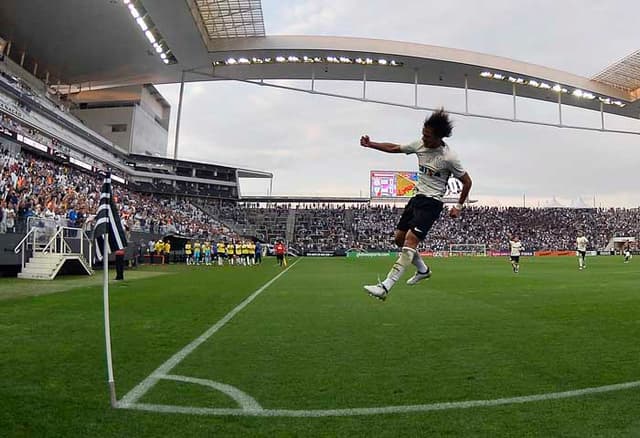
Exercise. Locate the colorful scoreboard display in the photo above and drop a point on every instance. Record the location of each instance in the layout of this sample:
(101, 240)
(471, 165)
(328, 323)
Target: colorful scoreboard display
(401, 184)
(393, 184)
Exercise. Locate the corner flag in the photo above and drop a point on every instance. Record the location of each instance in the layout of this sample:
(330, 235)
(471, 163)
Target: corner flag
(109, 236)
(108, 222)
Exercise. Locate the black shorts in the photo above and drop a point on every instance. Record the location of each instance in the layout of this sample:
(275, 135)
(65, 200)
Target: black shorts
(582, 253)
(419, 215)
(279, 256)
(515, 259)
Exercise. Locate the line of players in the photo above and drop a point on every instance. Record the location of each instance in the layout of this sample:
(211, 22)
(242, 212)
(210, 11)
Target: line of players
(516, 248)
(242, 253)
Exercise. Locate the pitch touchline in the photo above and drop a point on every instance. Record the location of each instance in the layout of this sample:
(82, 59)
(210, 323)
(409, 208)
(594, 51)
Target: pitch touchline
(143, 387)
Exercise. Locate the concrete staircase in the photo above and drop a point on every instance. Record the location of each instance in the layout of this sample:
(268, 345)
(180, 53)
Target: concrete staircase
(45, 266)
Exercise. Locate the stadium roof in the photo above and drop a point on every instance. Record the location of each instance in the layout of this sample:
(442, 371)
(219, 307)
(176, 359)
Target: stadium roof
(101, 43)
(624, 74)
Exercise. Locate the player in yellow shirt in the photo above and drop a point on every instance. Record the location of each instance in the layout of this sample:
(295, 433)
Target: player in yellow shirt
(187, 253)
(252, 251)
(238, 252)
(245, 253)
(230, 253)
(222, 252)
(167, 251)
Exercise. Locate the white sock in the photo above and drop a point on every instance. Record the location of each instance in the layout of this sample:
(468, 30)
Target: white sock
(398, 268)
(419, 263)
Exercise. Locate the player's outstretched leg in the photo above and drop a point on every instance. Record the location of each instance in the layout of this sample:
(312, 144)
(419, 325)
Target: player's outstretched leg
(381, 290)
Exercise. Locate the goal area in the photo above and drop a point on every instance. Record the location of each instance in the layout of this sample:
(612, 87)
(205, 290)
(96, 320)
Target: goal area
(468, 249)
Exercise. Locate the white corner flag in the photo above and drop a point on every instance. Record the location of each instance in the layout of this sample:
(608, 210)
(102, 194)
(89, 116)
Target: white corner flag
(109, 236)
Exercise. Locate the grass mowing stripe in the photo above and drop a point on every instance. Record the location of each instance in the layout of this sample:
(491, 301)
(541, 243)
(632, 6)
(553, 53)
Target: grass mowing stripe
(136, 393)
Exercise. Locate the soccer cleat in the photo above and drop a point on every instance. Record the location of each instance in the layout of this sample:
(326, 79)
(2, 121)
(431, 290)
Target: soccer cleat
(418, 276)
(377, 291)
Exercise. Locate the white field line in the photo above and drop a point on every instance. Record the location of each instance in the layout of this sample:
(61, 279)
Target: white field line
(383, 409)
(136, 393)
(245, 401)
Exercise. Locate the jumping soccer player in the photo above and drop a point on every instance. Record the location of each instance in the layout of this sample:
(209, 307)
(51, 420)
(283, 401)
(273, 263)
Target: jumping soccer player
(581, 249)
(516, 249)
(436, 162)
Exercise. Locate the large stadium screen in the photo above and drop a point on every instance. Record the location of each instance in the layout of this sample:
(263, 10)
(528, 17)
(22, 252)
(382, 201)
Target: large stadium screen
(392, 184)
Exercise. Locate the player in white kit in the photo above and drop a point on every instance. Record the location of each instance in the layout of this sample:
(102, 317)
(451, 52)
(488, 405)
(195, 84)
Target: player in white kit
(516, 250)
(581, 249)
(436, 162)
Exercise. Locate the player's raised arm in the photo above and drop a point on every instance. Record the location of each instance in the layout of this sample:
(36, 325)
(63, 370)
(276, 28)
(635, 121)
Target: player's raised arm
(391, 148)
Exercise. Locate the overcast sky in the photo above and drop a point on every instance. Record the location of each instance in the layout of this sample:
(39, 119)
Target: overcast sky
(311, 142)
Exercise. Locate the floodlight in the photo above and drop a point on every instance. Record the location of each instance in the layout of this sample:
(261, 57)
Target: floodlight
(142, 24)
(243, 61)
(232, 61)
(134, 11)
(382, 61)
(498, 76)
(150, 36)
(293, 59)
(486, 74)
(544, 85)
(533, 83)
(577, 92)
(163, 55)
(280, 59)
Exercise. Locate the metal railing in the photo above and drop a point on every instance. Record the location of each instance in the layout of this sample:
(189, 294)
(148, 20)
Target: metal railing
(65, 240)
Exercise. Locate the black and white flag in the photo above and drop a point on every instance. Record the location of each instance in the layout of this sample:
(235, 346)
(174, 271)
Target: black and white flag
(108, 222)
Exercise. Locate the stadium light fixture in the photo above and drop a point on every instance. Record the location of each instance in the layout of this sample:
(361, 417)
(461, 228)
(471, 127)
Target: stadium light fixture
(150, 37)
(557, 87)
(138, 12)
(134, 12)
(315, 59)
(142, 24)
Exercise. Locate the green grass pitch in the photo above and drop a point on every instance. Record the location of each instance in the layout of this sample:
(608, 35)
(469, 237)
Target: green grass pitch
(313, 341)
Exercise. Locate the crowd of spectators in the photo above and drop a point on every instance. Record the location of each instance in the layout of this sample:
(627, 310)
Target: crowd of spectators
(34, 187)
(367, 227)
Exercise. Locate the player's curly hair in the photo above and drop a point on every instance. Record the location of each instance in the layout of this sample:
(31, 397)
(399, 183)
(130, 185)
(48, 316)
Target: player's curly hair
(439, 123)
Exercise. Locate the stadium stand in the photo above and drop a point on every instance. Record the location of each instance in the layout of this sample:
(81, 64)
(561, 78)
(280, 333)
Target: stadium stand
(370, 227)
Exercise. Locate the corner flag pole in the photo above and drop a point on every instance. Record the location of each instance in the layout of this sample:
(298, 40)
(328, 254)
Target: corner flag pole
(107, 324)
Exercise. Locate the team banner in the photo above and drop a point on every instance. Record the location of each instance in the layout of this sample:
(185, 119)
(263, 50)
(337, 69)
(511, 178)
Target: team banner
(402, 184)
